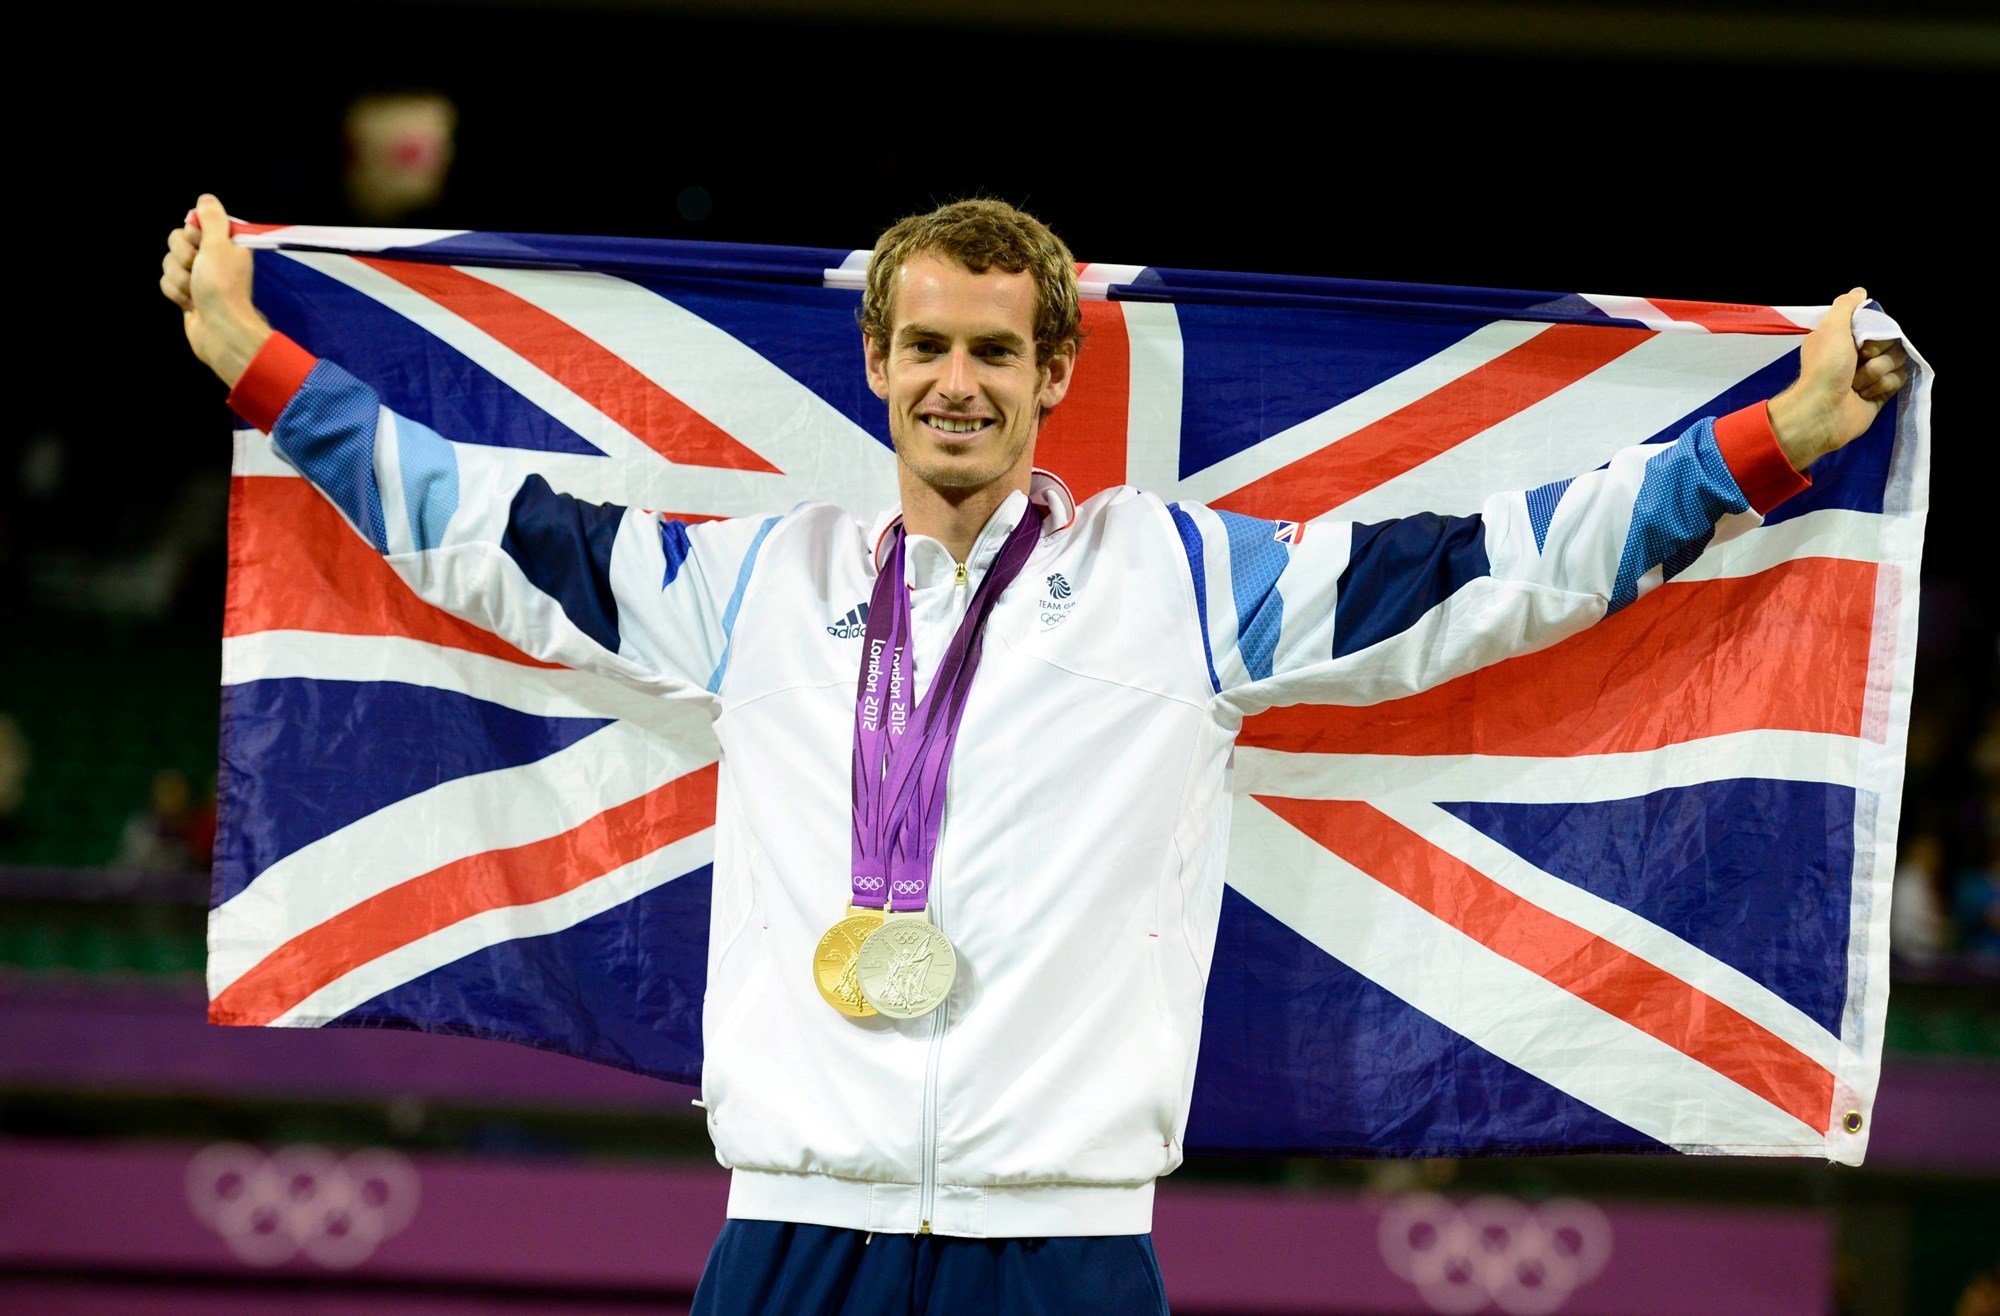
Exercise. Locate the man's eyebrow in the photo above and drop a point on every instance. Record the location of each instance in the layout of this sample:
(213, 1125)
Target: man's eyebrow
(910, 333)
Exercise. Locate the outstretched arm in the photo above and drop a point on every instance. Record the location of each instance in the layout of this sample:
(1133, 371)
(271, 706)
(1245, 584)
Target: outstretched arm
(612, 589)
(1358, 613)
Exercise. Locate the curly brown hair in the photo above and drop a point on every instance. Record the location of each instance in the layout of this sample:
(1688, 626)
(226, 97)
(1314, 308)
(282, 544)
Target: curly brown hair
(982, 234)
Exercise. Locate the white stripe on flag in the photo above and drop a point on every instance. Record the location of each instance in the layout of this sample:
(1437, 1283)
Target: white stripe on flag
(1506, 779)
(1095, 280)
(494, 926)
(1153, 414)
(542, 692)
(1508, 1010)
(852, 272)
(1629, 931)
(469, 815)
(822, 454)
(1638, 308)
(637, 475)
(345, 239)
(1830, 532)
(1624, 401)
(253, 454)
(1363, 409)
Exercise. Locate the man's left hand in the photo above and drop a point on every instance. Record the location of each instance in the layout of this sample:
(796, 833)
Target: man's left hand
(1840, 388)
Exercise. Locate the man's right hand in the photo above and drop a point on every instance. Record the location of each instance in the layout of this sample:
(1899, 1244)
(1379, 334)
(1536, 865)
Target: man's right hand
(208, 276)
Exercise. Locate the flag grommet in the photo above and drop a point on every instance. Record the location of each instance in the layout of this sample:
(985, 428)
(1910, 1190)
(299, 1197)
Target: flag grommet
(1852, 1123)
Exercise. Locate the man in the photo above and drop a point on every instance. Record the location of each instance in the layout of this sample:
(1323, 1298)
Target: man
(1054, 820)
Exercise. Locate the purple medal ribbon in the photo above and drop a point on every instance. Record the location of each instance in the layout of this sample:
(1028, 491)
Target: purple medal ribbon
(902, 757)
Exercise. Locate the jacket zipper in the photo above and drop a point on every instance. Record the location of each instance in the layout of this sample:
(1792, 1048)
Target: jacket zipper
(927, 1195)
(939, 1017)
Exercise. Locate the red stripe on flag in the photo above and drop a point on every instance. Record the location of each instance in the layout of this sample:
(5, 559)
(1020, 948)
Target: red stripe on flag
(1083, 440)
(1783, 650)
(579, 363)
(1580, 962)
(1435, 423)
(295, 565)
(1724, 317)
(496, 879)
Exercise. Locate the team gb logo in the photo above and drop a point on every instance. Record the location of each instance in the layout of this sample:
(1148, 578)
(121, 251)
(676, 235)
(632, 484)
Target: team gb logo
(1056, 601)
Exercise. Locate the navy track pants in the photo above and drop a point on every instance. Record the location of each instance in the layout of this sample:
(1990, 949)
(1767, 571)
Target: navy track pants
(775, 1268)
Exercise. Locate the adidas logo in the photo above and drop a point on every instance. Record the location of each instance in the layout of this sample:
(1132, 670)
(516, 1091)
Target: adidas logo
(852, 626)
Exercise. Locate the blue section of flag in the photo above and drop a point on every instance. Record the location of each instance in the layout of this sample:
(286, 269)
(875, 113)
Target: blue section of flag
(1305, 362)
(1256, 560)
(809, 333)
(1697, 860)
(631, 257)
(449, 393)
(303, 758)
(575, 990)
(1301, 1054)
(563, 546)
(1855, 478)
(1430, 301)
(1399, 570)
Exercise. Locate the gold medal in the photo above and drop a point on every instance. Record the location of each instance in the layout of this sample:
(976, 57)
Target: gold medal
(836, 957)
(906, 966)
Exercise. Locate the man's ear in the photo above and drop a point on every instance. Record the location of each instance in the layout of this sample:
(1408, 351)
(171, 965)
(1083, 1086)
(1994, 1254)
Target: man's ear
(878, 363)
(1056, 374)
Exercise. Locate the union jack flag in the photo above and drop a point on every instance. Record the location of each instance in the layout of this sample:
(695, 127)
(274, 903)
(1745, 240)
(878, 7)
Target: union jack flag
(1648, 913)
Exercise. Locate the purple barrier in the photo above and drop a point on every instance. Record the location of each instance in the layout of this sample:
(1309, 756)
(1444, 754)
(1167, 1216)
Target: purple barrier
(379, 1226)
(91, 1035)
(83, 1035)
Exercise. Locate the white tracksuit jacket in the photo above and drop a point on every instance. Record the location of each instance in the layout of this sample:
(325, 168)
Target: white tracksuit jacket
(1080, 870)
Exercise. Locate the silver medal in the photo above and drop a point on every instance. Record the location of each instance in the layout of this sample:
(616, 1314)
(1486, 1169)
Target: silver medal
(906, 966)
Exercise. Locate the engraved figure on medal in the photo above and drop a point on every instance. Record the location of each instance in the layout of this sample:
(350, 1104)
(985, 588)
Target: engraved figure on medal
(835, 960)
(906, 967)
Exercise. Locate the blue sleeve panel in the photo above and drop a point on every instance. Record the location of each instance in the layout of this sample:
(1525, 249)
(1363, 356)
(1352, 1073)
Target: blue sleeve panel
(429, 469)
(1191, 545)
(563, 546)
(736, 602)
(328, 432)
(1686, 489)
(1256, 560)
(675, 546)
(1399, 570)
(1542, 504)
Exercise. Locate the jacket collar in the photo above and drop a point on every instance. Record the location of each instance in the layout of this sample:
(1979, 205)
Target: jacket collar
(1045, 489)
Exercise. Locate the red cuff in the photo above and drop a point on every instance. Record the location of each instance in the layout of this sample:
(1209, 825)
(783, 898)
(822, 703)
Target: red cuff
(1762, 471)
(273, 376)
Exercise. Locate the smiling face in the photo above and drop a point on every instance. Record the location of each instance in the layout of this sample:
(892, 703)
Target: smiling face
(959, 373)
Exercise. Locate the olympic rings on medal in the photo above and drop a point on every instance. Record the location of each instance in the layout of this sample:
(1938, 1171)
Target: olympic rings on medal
(906, 887)
(269, 1208)
(864, 882)
(1524, 1260)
